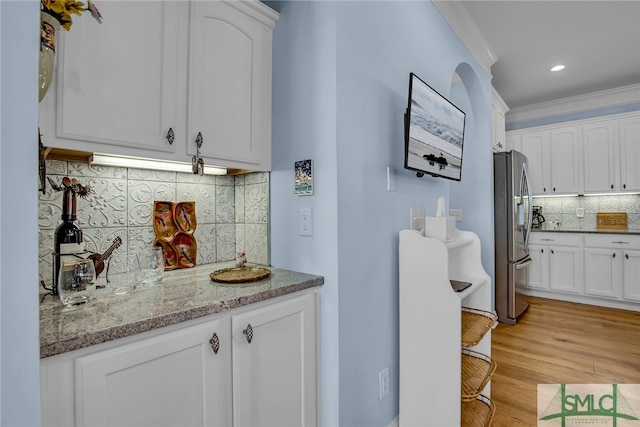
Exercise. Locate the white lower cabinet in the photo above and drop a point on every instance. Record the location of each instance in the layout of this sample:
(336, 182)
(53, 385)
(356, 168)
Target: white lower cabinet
(557, 262)
(202, 374)
(600, 269)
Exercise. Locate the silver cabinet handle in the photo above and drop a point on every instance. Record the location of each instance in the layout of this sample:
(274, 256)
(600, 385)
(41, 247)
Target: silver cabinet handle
(547, 240)
(621, 243)
(248, 333)
(215, 343)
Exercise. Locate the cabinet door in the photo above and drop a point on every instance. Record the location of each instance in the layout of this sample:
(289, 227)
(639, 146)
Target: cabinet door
(169, 380)
(564, 159)
(630, 153)
(565, 269)
(120, 85)
(274, 375)
(539, 268)
(631, 275)
(229, 84)
(535, 146)
(598, 144)
(602, 272)
(513, 142)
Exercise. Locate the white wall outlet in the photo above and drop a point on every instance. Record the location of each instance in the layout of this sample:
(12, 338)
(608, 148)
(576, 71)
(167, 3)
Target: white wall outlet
(580, 212)
(383, 383)
(457, 213)
(306, 222)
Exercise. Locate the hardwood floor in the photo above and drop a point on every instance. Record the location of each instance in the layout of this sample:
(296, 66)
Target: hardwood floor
(559, 342)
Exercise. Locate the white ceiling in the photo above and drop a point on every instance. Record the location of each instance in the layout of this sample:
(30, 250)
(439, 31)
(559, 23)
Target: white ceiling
(598, 41)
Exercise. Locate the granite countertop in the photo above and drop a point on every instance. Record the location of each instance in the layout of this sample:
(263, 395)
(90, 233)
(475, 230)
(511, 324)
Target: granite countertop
(183, 295)
(585, 230)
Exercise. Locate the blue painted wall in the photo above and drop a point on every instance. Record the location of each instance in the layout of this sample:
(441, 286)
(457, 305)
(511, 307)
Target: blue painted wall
(340, 80)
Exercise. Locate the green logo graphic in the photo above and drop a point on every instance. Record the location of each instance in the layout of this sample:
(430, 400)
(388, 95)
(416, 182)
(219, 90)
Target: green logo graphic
(564, 406)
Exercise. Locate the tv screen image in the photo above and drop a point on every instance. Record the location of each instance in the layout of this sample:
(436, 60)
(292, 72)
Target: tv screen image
(434, 132)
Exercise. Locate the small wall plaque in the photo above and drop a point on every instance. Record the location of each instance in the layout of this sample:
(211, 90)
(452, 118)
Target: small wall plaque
(303, 181)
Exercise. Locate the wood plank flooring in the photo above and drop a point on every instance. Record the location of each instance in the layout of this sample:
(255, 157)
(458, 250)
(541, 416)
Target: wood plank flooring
(559, 342)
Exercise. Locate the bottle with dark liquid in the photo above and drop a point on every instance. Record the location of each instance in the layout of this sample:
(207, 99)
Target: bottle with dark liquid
(68, 237)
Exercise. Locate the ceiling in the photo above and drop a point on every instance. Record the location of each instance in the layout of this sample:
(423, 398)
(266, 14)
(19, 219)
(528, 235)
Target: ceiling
(597, 41)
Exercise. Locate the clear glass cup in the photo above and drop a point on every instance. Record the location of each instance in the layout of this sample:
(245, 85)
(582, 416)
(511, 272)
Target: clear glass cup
(151, 266)
(123, 273)
(76, 281)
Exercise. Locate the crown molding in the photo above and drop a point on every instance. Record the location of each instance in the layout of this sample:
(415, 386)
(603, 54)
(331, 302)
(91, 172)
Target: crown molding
(498, 100)
(460, 20)
(576, 104)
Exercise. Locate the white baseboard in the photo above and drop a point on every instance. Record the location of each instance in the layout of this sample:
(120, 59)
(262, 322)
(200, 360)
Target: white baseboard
(395, 422)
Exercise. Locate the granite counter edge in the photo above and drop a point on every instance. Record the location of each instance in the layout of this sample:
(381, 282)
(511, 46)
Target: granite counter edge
(122, 331)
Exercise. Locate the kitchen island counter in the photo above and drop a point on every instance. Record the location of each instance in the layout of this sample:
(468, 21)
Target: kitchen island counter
(183, 295)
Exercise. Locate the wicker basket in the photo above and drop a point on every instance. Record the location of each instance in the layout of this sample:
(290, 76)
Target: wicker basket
(475, 324)
(476, 371)
(477, 412)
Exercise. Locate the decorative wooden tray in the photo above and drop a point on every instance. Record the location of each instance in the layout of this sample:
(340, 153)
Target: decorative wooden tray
(611, 220)
(477, 412)
(477, 368)
(475, 324)
(239, 274)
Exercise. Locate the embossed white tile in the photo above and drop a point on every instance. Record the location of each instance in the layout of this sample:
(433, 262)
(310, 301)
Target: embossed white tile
(50, 206)
(591, 204)
(569, 221)
(205, 236)
(569, 204)
(225, 242)
(609, 203)
(589, 221)
(239, 204)
(45, 259)
(105, 205)
(256, 203)
(256, 243)
(225, 211)
(225, 180)
(633, 221)
(240, 237)
(552, 205)
(205, 198)
(630, 203)
(139, 239)
(56, 167)
(239, 179)
(142, 194)
(151, 175)
(256, 178)
(78, 170)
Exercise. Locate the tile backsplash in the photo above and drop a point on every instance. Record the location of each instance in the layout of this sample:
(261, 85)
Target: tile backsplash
(563, 209)
(232, 212)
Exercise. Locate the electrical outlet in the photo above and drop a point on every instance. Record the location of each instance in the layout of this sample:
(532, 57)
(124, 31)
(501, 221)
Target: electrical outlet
(580, 212)
(457, 213)
(306, 222)
(383, 383)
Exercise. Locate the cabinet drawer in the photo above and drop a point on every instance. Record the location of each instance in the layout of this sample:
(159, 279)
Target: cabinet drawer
(555, 239)
(614, 241)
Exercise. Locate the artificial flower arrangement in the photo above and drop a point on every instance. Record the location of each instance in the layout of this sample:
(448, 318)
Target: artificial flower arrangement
(62, 10)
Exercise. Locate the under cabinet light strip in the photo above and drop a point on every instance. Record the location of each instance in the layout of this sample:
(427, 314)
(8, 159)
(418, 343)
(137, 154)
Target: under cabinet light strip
(142, 163)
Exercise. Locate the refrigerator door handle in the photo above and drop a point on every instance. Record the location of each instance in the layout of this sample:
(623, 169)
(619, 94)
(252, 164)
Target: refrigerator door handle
(525, 181)
(524, 264)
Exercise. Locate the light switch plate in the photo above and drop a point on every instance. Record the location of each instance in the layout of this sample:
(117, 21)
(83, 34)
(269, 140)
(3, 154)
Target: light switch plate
(306, 222)
(580, 212)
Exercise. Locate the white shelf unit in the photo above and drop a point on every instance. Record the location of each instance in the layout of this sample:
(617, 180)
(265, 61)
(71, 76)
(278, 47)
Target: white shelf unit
(430, 324)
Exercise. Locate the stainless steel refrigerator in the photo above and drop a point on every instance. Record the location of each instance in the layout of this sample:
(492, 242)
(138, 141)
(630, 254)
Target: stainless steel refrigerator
(513, 212)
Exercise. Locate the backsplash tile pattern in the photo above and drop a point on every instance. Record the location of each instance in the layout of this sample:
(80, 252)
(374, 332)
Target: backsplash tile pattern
(231, 211)
(563, 209)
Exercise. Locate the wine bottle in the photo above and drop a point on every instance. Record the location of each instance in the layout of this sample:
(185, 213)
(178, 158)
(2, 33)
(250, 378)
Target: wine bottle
(68, 237)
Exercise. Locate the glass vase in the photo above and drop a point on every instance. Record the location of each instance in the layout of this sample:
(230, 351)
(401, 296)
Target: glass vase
(48, 27)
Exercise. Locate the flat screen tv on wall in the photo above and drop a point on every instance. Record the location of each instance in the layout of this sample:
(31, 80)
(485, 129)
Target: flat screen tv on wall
(434, 133)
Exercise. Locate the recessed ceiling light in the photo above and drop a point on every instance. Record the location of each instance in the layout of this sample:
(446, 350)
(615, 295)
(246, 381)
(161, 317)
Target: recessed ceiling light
(557, 68)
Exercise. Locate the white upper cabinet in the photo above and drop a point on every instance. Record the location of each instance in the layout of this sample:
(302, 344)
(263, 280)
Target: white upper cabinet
(230, 82)
(598, 142)
(629, 129)
(584, 157)
(149, 90)
(564, 152)
(118, 88)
